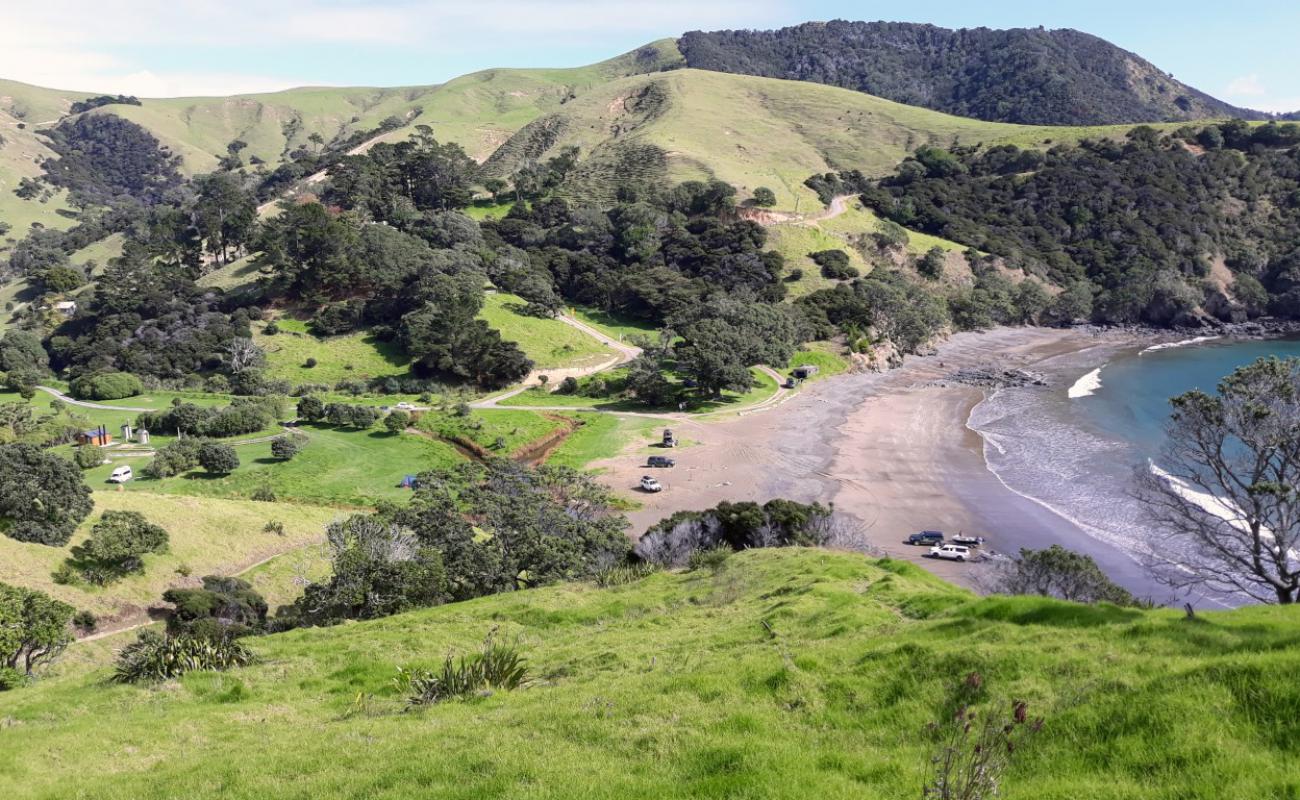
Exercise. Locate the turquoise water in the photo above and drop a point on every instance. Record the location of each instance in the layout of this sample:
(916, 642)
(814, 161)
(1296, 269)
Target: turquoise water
(1079, 453)
(1133, 401)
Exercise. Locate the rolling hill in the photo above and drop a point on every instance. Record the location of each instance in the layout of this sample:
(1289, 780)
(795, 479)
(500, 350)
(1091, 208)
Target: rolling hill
(1026, 75)
(781, 673)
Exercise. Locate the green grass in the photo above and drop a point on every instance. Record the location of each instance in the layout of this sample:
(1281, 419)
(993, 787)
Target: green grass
(551, 344)
(823, 355)
(353, 356)
(787, 673)
(600, 436)
(336, 467)
(621, 328)
(857, 220)
(208, 535)
(795, 242)
(479, 213)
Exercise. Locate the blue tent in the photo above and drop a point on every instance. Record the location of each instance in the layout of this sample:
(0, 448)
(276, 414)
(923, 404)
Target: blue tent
(408, 482)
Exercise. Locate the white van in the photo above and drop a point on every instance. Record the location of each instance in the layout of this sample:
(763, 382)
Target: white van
(121, 475)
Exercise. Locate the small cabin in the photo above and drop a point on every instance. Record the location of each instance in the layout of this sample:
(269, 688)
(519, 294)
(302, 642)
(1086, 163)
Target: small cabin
(803, 372)
(95, 437)
(67, 308)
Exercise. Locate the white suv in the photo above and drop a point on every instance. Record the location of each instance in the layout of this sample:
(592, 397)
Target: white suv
(649, 484)
(954, 552)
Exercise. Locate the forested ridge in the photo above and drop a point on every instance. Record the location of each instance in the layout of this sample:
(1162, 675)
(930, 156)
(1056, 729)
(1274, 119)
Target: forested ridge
(1134, 228)
(1023, 75)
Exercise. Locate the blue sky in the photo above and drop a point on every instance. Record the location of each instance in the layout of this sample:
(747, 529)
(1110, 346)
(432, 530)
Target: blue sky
(1247, 54)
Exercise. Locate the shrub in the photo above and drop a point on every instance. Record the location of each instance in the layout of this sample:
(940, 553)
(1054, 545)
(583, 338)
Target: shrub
(764, 197)
(88, 456)
(274, 526)
(180, 456)
(155, 657)
(218, 459)
(116, 547)
(795, 275)
(85, 621)
(930, 265)
(568, 386)
(711, 559)
(106, 386)
(397, 421)
(310, 363)
(975, 748)
(497, 666)
(228, 607)
(285, 447)
(272, 328)
(835, 264)
(625, 574)
(11, 678)
(264, 494)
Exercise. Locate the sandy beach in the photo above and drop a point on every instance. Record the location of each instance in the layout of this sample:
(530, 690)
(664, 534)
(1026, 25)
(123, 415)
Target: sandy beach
(891, 449)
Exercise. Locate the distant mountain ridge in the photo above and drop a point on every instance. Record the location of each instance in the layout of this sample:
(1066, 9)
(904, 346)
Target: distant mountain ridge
(1022, 75)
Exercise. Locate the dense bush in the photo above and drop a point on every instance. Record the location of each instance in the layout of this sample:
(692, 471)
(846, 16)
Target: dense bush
(223, 607)
(42, 496)
(546, 524)
(1025, 75)
(156, 657)
(1058, 572)
(1135, 223)
(835, 264)
(103, 156)
(737, 526)
(106, 386)
(175, 458)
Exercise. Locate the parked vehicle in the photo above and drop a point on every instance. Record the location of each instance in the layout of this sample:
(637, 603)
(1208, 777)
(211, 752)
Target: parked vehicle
(405, 406)
(660, 461)
(952, 552)
(968, 540)
(926, 537)
(669, 439)
(649, 484)
(121, 475)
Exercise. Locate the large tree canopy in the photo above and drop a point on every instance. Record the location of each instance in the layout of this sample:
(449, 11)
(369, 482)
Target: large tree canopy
(42, 496)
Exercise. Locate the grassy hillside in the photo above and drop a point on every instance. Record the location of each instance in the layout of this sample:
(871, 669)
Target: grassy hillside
(479, 111)
(750, 132)
(794, 673)
(208, 536)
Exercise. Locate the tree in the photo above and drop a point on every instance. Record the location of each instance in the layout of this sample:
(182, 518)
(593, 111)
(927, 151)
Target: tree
(116, 546)
(1057, 572)
(1225, 495)
(835, 264)
(106, 386)
(311, 408)
(218, 459)
(225, 213)
(33, 628)
(285, 447)
(764, 197)
(223, 607)
(397, 421)
(42, 496)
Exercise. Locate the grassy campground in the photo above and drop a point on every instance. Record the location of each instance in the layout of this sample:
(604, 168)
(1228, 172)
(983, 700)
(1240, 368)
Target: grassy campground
(784, 673)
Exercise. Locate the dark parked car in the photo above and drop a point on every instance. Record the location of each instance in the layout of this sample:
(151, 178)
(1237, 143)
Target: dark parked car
(660, 461)
(926, 538)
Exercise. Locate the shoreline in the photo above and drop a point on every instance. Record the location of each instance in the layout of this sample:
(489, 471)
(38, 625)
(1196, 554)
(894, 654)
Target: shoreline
(894, 450)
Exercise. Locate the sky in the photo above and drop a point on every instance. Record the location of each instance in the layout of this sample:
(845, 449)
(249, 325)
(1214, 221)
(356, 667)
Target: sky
(1247, 55)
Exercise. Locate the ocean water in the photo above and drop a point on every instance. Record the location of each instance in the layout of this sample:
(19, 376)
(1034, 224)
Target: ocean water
(1077, 447)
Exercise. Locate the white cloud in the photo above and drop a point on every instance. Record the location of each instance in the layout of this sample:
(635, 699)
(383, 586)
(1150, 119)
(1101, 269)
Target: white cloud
(1245, 86)
(105, 45)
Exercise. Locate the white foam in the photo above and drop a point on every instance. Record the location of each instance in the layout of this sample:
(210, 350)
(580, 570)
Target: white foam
(1184, 343)
(1225, 510)
(1086, 386)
